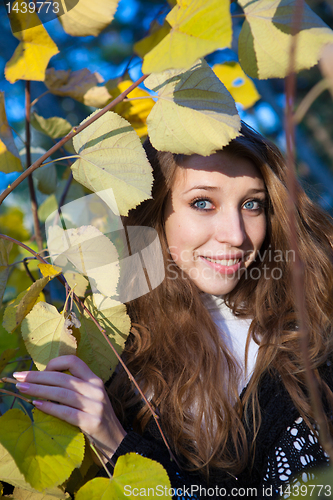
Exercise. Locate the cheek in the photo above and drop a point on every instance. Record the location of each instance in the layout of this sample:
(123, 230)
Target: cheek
(261, 232)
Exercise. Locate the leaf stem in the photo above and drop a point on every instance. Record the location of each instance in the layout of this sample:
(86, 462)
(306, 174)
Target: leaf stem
(309, 99)
(39, 97)
(69, 136)
(34, 205)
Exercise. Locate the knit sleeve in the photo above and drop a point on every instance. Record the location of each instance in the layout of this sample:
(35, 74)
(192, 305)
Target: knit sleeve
(293, 459)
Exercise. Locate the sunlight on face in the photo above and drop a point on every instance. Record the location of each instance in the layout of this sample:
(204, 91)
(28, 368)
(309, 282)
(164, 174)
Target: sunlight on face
(215, 219)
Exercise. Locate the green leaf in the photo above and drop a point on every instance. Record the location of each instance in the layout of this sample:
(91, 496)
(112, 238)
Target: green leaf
(45, 177)
(9, 155)
(34, 52)
(48, 334)
(240, 86)
(81, 85)
(90, 252)
(93, 348)
(22, 305)
(6, 356)
(265, 39)
(112, 157)
(45, 449)
(54, 127)
(198, 28)
(88, 18)
(5, 248)
(132, 477)
(194, 113)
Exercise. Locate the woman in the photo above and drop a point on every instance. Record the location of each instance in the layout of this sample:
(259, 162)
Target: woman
(215, 347)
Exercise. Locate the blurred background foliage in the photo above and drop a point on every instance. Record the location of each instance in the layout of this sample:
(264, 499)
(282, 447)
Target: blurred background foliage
(111, 55)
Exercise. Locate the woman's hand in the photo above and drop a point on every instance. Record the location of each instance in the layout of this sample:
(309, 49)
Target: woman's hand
(79, 399)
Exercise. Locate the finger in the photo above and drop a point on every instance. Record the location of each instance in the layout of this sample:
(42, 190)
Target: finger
(62, 396)
(67, 413)
(76, 366)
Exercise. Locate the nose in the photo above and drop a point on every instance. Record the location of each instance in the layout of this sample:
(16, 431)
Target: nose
(230, 228)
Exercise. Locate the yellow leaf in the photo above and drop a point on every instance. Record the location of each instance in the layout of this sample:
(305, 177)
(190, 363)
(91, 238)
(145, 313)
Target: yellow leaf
(239, 85)
(10, 473)
(93, 348)
(9, 155)
(86, 17)
(48, 494)
(80, 85)
(45, 449)
(11, 223)
(90, 252)
(22, 305)
(136, 111)
(198, 28)
(76, 282)
(133, 476)
(149, 42)
(112, 157)
(194, 113)
(49, 270)
(32, 55)
(47, 334)
(265, 39)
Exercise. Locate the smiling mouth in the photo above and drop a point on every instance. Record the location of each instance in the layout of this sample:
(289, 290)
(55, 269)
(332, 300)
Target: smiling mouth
(224, 262)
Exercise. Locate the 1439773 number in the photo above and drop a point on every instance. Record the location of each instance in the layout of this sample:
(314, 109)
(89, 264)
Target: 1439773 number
(303, 490)
(31, 7)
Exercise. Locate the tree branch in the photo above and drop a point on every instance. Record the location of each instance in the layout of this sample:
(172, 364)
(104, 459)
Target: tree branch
(34, 206)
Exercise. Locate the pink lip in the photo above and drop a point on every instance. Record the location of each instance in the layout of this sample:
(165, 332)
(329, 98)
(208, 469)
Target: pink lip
(223, 269)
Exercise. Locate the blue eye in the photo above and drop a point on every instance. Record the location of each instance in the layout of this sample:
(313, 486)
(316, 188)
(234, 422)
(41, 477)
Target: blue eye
(202, 205)
(253, 205)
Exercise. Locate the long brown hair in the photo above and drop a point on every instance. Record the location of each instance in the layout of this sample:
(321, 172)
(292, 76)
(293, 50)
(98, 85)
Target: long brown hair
(175, 351)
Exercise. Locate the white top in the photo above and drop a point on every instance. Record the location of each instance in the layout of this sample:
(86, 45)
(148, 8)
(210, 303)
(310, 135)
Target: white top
(234, 332)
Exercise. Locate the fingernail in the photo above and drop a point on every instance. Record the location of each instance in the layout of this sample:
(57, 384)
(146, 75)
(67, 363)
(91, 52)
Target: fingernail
(22, 387)
(20, 375)
(37, 403)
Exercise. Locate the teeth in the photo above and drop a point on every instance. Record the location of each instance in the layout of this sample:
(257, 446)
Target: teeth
(230, 262)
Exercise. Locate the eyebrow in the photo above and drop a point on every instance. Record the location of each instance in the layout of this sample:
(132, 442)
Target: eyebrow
(214, 188)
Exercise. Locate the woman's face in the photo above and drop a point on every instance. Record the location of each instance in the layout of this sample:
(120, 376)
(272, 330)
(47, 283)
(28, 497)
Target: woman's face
(215, 219)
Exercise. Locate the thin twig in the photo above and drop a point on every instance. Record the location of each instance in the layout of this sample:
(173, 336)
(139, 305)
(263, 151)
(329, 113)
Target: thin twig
(297, 268)
(10, 393)
(34, 205)
(75, 131)
(28, 270)
(309, 99)
(39, 97)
